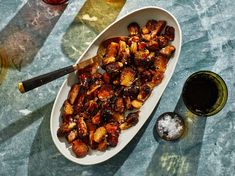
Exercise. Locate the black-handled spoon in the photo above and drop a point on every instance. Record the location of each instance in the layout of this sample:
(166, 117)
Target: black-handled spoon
(40, 80)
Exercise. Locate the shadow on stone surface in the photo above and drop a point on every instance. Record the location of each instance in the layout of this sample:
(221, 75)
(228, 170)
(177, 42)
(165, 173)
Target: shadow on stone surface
(93, 17)
(180, 157)
(45, 159)
(25, 34)
(22, 123)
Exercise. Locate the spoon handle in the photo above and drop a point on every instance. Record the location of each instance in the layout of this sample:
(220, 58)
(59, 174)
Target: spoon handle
(40, 80)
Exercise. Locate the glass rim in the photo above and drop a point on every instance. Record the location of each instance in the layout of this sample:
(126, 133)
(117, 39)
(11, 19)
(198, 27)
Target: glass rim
(221, 82)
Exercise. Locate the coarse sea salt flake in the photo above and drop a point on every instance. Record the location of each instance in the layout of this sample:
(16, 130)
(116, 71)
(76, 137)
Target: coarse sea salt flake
(170, 126)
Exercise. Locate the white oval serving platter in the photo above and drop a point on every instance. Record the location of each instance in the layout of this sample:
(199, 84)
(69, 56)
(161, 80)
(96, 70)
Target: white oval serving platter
(118, 28)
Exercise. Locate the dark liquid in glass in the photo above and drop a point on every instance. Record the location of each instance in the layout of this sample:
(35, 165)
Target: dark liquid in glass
(200, 94)
(55, 2)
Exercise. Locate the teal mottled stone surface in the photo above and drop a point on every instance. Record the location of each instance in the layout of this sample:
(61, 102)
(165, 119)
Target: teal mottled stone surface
(208, 28)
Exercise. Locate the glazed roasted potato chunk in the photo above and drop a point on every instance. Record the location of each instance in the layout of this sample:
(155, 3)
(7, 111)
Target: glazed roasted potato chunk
(94, 87)
(157, 79)
(82, 127)
(100, 134)
(127, 76)
(131, 120)
(167, 51)
(169, 33)
(118, 117)
(114, 68)
(124, 52)
(112, 128)
(80, 148)
(65, 128)
(106, 77)
(72, 135)
(112, 140)
(162, 41)
(97, 118)
(91, 107)
(153, 45)
(112, 51)
(73, 93)
(102, 146)
(160, 26)
(134, 29)
(144, 93)
(137, 104)
(133, 48)
(128, 104)
(105, 92)
(108, 92)
(68, 108)
(151, 25)
(92, 142)
(161, 63)
(119, 104)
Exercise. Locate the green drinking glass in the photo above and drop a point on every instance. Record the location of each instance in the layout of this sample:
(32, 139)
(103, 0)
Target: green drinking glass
(205, 93)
